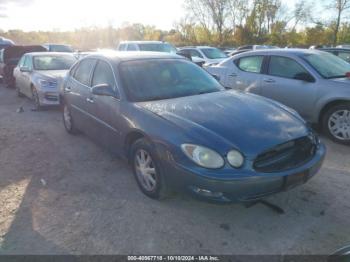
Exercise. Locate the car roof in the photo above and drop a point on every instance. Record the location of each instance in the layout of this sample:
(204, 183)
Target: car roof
(49, 53)
(120, 56)
(199, 46)
(4, 40)
(289, 51)
(142, 42)
(55, 44)
(334, 49)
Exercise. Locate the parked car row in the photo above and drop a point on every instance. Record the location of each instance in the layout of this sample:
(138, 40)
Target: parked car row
(175, 124)
(314, 83)
(200, 55)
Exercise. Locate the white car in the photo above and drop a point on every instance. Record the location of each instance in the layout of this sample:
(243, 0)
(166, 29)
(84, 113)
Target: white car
(210, 55)
(39, 76)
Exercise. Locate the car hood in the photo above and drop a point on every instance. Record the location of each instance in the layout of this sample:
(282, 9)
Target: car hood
(343, 80)
(246, 122)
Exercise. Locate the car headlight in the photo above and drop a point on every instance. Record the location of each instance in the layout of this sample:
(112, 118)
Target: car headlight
(235, 158)
(203, 156)
(47, 83)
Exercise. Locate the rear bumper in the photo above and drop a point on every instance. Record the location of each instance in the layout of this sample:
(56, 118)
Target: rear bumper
(244, 188)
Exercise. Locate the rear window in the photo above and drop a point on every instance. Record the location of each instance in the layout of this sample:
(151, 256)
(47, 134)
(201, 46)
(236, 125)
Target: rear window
(213, 53)
(251, 64)
(154, 47)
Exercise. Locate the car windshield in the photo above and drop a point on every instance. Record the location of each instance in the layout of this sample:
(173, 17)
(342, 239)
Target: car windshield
(213, 53)
(148, 80)
(61, 48)
(53, 62)
(328, 65)
(155, 47)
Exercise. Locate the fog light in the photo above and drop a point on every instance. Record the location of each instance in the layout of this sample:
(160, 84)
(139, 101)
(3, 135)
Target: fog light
(206, 193)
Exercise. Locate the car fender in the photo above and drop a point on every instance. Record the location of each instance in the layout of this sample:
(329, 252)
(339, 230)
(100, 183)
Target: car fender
(323, 102)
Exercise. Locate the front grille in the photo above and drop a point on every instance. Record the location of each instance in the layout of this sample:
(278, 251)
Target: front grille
(290, 155)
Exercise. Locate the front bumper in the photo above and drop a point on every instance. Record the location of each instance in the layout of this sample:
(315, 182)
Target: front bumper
(245, 188)
(49, 98)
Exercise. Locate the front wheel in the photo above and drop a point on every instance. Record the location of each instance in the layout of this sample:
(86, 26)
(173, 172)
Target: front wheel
(68, 121)
(336, 123)
(36, 99)
(18, 91)
(146, 168)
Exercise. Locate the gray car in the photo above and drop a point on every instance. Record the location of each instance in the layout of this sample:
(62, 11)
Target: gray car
(314, 83)
(39, 75)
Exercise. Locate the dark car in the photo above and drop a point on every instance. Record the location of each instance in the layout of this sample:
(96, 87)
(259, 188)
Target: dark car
(343, 53)
(10, 57)
(58, 48)
(180, 129)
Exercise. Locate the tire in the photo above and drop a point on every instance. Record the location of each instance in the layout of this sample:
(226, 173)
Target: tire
(156, 189)
(336, 123)
(68, 121)
(36, 99)
(18, 91)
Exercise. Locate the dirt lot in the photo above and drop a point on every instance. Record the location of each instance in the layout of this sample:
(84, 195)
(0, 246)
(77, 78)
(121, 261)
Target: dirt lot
(61, 194)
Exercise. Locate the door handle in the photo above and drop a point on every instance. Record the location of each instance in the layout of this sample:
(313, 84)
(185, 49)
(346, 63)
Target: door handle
(233, 75)
(90, 100)
(269, 80)
(67, 89)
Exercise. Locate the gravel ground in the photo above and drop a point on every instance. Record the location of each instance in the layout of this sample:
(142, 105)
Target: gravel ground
(61, 194)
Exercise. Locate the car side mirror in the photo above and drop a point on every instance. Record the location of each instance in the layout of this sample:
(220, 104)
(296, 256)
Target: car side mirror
(25, 69)
(103, 90)
(305, 77)
(184, 55)
(216, 77)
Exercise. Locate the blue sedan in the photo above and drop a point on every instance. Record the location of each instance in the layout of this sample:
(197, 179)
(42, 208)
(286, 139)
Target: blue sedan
(180, 129)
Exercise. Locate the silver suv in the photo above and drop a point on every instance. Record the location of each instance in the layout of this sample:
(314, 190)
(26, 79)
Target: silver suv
(314, 83)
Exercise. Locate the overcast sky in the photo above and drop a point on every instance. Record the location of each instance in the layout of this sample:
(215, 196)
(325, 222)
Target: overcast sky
(70, 14)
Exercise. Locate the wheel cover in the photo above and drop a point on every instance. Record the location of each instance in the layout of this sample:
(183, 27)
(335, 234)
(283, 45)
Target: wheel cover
(339, 124)
(145, 170)
(67, 118)
(36, 98)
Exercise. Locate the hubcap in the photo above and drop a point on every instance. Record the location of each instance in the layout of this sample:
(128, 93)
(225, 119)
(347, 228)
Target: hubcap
(36, 99)
(339, 124)
(67, 118)
(145, 170)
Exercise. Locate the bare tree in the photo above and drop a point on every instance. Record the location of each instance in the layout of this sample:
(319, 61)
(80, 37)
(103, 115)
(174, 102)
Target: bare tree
(341, 6)
(211, 14)
(302, 13)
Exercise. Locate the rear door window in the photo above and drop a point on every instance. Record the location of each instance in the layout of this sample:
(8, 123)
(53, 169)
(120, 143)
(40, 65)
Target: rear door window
(122, 47)
(132, 47)
(21, 61)
(344, 55)
(285, 67)
(83, 72)
(28, 62)
(252, 64)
